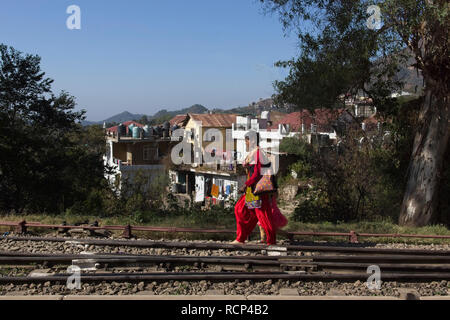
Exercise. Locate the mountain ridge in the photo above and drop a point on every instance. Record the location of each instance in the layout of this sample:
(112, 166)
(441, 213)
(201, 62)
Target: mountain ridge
(164, 115)
(160, 115)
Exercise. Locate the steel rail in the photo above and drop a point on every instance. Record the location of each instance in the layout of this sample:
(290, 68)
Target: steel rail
(130, 260)
(232, 276)
(227, 246)
(23, 257)
(382, 266)
(324, 262)
(145, 243)
(380, 258)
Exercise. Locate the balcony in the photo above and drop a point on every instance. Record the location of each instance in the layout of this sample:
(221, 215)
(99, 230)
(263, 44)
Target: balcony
(120, 165)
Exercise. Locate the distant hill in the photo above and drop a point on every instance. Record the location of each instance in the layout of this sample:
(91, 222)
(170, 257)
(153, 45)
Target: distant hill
(89, 123)
(118, 118)
(164, 115)
(413, 84)
(157, 118)
(411, 77)
(407, 74)
(124, 116)
(254, 108)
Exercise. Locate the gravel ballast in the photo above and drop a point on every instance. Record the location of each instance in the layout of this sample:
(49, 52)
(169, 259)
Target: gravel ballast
(246, 288)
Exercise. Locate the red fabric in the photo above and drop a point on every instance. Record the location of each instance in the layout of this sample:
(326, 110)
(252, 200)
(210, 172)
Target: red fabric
(256, 172)
(279, 220)
(269, 216)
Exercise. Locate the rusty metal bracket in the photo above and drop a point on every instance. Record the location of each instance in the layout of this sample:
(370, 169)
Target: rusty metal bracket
(21, 227)
(353, 238)
(127, 232)
(290, 236)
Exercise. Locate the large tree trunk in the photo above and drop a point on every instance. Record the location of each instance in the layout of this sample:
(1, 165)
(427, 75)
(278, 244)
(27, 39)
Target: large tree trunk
(422, 190)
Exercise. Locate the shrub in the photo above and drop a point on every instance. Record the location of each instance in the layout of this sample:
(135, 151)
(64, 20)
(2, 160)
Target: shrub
(315, 208)
(296, 146)
(302, 169)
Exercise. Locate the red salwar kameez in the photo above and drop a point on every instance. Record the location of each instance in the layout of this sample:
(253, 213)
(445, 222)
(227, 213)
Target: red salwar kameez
(268, 215)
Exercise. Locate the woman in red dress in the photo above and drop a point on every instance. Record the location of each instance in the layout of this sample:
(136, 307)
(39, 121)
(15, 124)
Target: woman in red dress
(250, 209)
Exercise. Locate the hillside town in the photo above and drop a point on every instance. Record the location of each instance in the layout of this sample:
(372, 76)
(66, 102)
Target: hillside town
(133, 147)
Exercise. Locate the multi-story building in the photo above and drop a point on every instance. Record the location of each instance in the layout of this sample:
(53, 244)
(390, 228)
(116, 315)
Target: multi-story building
(212, 175)
(132, 147)
(270, 134)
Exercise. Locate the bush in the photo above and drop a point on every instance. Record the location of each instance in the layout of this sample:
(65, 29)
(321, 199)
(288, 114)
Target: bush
(302, 169)
(296, 146)
(315, 208)
(360, 182)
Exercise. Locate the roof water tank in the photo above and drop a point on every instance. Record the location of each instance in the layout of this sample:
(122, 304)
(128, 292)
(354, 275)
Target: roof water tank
(136, 132)
(130, 129)
(146, 130)
(122, 130)
(151, 132)
(265, 115)
(166, 125)
(158, 130)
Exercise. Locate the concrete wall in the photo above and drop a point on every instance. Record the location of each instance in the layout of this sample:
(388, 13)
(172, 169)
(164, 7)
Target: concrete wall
(199, 135)
(133, 153)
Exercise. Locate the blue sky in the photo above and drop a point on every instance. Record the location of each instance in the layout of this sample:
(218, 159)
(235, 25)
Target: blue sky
(143, 56)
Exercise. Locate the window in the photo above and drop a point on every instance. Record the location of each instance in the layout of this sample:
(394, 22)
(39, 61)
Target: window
(365, 111)
(150, 153)
(108, 151)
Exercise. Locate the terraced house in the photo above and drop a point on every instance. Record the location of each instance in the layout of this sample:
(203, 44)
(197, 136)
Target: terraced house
(212, 176)
(133, 147)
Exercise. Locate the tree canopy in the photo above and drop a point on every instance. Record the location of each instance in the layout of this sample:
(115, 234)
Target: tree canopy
(341, 52)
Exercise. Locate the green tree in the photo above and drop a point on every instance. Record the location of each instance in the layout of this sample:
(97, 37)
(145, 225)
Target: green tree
(143, 120)
(296, 146)
(340, 54)
(43, 165)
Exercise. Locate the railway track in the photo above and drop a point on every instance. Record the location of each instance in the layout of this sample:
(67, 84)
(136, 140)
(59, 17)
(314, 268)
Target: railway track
(392, 262)
(327, 263)
(231, 247)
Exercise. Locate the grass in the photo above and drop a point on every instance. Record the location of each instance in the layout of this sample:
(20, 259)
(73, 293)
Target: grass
(227, 221)
(374, 227)
(208, 221)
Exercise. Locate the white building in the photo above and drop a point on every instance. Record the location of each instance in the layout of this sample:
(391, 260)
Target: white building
(269, 139)
(126, 155)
